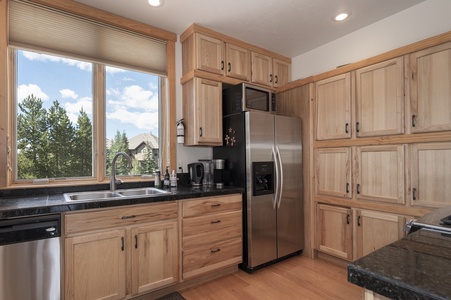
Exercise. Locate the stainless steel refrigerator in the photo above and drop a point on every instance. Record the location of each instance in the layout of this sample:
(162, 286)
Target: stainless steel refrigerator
(263, 154)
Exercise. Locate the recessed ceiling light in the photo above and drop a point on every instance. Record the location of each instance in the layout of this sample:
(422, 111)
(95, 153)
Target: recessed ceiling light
(341, 16)
(156, 3)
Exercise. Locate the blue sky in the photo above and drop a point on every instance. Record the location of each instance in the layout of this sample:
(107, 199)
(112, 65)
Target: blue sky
(131, 97)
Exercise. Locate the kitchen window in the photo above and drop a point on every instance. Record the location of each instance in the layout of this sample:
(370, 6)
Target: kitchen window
(75, 88)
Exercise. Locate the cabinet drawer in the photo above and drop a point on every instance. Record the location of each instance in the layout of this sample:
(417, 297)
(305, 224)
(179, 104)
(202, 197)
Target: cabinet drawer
(211, 228)
(199, 260)
(202, 206)
(88, 221)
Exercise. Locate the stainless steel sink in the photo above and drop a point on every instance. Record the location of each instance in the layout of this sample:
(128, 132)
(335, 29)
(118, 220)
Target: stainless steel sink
(141, 192)
(118, 194)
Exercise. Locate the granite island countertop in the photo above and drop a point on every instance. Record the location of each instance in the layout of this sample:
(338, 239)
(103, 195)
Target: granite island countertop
(38, 203)
(415, 267)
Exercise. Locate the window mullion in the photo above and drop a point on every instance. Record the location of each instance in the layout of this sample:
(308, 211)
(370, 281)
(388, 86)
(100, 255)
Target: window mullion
(99, 114)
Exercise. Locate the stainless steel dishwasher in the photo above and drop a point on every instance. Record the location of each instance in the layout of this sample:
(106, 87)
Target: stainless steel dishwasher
(30, 263)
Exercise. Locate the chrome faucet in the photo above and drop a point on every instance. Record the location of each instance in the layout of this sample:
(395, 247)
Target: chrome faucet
(113, 180)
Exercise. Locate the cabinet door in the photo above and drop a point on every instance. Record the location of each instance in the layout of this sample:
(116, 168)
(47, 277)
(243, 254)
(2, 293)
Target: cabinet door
(202, 111)
(238, 62)
(209, 110)
(430, 92)
(380, 98)
(333, 172)
(380, 173)
(95, 266)
(377, 229)
(431, 174)
(334, 230)
(282, 72)
(209, 54)
(333, 108)
(154, 256)
(262, 72)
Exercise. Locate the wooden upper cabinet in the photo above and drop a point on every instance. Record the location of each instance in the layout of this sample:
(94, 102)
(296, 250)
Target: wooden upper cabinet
(380, 173)
(380, 99)
(209, 54)
(333, 172)
(333, 108)
(377, 229)
(431, 174)
(334, 231)
(430, 92)
(202, 111)
(269, 71)
(262, 72)
(282, 72)
(238, 62)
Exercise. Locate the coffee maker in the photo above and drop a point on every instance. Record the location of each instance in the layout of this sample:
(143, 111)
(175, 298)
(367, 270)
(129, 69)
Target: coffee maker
(219, 175)
(196, 173)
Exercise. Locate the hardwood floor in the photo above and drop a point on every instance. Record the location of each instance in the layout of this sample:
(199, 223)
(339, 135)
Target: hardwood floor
(296, 278)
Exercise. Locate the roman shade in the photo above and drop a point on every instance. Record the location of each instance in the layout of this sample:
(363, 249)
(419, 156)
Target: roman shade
(44, 29)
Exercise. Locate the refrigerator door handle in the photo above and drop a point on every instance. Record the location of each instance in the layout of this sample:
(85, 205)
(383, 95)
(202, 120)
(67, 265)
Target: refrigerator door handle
(279, 160)
(276, 192)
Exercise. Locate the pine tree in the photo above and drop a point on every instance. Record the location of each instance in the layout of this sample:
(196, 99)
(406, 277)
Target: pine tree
(32, 139)
(82, 164)
(61, 138)
(119, 144)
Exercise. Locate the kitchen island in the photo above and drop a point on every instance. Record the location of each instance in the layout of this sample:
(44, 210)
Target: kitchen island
(415, 267)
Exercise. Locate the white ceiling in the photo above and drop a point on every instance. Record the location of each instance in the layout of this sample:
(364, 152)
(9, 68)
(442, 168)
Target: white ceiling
(288, 27)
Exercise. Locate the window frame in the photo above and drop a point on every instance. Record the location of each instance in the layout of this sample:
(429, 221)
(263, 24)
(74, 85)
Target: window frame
(7, 101)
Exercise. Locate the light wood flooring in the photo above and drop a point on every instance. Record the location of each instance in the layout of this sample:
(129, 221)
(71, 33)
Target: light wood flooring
(296, 278)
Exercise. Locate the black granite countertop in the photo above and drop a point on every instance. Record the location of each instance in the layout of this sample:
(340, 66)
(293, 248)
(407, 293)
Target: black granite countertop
(36, 203)
(415, 267)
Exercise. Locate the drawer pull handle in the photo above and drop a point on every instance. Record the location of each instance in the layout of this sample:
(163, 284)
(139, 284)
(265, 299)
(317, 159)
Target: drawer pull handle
(136, 241)
(122, 243)
(216, 205)
(128, 217)
(215, 250)
(215, 222)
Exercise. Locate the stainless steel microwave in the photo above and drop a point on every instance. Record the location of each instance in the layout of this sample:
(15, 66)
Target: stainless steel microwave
(246, 97)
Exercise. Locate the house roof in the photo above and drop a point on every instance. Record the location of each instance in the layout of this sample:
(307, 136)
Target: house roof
(137, 140)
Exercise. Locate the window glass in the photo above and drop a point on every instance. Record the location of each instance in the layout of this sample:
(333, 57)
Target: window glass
(132, 120)
(54, 117)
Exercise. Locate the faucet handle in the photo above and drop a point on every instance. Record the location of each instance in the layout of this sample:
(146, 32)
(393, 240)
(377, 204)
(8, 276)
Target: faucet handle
(118, 181)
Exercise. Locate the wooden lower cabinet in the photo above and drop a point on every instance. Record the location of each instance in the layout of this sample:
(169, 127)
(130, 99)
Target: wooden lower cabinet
(211, 234)
(339, 229)
(95, 266)
(377, 229)
(334, 230)
(154, 256)
(138, 253)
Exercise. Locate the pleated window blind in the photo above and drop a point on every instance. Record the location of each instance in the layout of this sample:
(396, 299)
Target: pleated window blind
(39, 28)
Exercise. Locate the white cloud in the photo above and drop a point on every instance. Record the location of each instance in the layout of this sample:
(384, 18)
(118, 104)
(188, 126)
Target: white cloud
(147, 121)
(135, 97)
(67, 93)
(85, 66)
(25, 90)
(73, 109)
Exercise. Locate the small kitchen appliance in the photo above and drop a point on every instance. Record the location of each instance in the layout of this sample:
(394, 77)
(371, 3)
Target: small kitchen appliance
(196, 173)
(208, 171)
(218, 175)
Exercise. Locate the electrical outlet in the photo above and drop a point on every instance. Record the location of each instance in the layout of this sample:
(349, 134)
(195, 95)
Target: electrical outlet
(179, 166)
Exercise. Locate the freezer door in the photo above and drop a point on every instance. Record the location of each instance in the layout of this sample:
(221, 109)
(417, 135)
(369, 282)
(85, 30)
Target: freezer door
(290, 221)
(261, 214)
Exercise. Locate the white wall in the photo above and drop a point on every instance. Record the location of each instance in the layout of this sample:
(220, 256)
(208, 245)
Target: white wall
(419, 22)
(186, 155)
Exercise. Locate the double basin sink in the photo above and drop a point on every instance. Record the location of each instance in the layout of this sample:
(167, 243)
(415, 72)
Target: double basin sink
(118, 194)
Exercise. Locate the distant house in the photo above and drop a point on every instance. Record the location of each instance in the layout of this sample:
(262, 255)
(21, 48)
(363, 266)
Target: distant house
(138, 149)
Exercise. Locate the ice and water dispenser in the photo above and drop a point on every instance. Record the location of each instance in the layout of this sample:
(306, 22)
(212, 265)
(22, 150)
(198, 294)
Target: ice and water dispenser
(263, 178)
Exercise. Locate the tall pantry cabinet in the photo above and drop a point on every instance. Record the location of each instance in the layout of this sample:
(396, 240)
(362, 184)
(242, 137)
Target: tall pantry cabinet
(382, 150)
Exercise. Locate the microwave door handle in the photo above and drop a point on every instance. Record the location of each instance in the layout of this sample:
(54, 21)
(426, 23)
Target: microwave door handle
(276, 169)
(279, 159)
